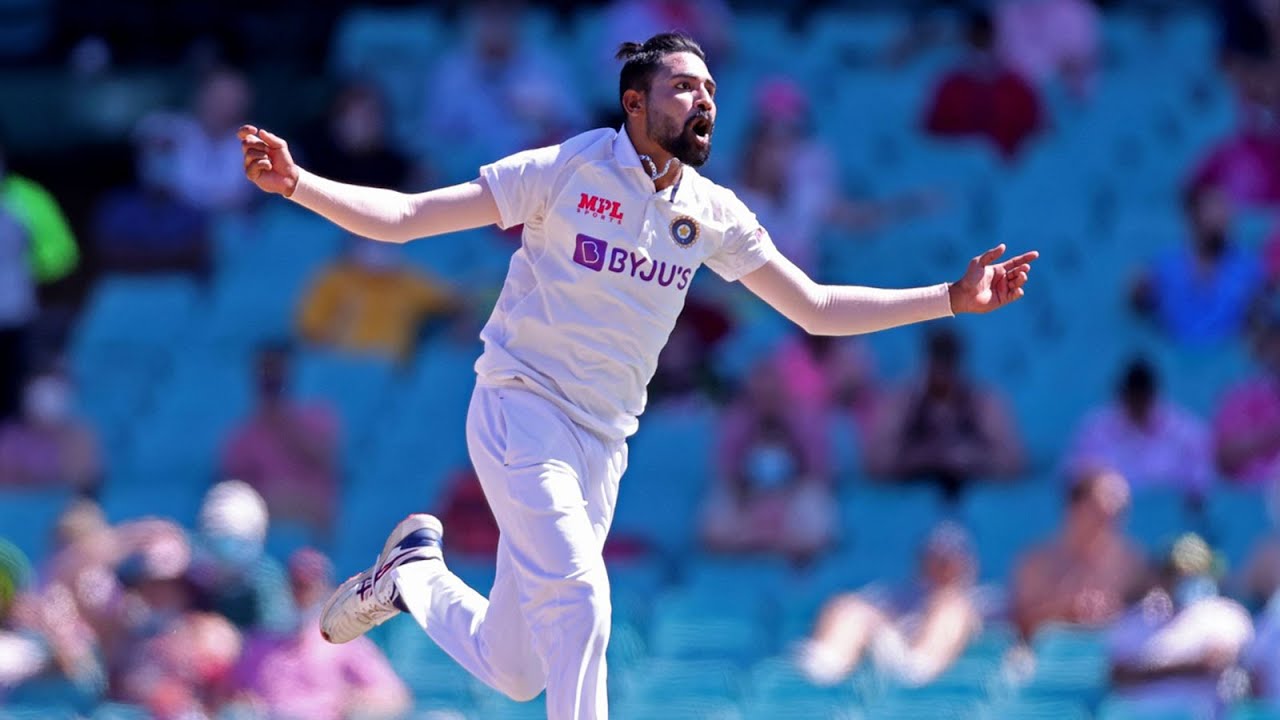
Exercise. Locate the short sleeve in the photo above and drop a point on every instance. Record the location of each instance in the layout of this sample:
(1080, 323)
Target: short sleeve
(747, 245)
(520, 184)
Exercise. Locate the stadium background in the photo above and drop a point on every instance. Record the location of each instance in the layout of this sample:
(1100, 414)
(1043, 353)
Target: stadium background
(163, 363)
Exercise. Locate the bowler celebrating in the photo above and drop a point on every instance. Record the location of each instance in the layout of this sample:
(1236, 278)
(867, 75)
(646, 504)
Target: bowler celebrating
(615, 225)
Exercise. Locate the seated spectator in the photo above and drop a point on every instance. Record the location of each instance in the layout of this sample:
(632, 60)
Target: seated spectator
(789, 178)
(171, 659)
(352, 144)
(472, 530)
(1090, 572)
(298, 674)
(1045, 40)
(230, 568)
(369, 301)
(36, 247)
(913, 637)
(1202, 294)
(1171, 649)
(943, 427)
(149, 227)
(48, 447)
(1246, 165)
(831, 374)
(984, 97)
(199, 149)
(773, 491)
(496, 93)
(1150, 441)
(686, 373)
(286, 450)
(1246, 427)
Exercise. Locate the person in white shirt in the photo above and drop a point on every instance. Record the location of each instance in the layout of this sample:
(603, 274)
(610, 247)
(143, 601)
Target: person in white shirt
(615, 225)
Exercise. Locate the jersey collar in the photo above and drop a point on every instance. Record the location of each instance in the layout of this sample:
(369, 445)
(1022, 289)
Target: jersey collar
(625, 154)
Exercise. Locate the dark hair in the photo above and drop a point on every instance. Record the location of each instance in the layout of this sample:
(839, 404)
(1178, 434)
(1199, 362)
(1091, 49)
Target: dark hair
(642, 60)
(979, 28)
(1139, 379)
(943, 345)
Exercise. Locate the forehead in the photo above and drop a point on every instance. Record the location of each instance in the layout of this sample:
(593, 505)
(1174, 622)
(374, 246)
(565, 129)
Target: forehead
(684, 63)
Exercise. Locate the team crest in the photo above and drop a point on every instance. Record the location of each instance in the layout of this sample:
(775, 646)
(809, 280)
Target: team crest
(684, 231)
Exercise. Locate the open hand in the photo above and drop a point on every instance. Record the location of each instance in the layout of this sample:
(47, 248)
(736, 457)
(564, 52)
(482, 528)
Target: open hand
(267, 161)
(988, 285)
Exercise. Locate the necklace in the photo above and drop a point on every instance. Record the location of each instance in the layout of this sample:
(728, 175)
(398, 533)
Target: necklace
(652, 168)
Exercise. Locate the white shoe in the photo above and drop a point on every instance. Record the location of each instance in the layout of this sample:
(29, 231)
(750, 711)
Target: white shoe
(368, 599)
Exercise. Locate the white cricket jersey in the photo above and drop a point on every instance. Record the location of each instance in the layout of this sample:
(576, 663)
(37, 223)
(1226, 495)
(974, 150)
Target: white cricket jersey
(601, 275)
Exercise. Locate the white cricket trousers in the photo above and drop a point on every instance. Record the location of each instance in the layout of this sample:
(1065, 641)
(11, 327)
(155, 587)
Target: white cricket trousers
(551, 486)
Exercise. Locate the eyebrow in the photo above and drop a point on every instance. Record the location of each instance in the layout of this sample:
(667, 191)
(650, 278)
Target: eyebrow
(710, 83)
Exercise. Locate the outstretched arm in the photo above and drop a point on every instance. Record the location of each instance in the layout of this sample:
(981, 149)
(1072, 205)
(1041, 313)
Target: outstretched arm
(853, 310)
(374, 213)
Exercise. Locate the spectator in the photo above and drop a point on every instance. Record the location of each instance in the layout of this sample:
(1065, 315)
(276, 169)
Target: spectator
(943, 428)
(1045, 40)
(1202, 294)
(1088, 574)
(28, 650)
(1246, 428)
(36, 247)
(149, 227)
(1150, 441)
(298, 675)
(686, 373)
(984, 97)
(915, 637)
(1170, 650)
(831, 374)
(1246, 165)
(287, 451)
(496, 94)
(370, 302)
(465, 508)
(48, 447)
(230, 568)
(352, 144)
(172, 659)
(773, 490)
(199, 148)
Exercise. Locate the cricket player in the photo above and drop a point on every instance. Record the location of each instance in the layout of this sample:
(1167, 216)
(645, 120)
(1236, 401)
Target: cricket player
(615, 225)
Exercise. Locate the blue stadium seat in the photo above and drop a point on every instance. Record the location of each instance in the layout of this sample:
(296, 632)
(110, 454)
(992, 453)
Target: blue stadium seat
(1237, 519)
(912, 708)
(670, 680)
(1254, 710)
(27, 518)
(1022, 709)
(883, 526)
(120, 711)
(1114, 708)
(354, 386)
(1157, 516)
(1005, 520)
(777, 682)
(680, 709)
(801, 709)
(145, 315)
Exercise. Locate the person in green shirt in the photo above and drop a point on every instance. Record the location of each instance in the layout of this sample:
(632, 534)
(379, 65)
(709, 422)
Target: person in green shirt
(36, 247)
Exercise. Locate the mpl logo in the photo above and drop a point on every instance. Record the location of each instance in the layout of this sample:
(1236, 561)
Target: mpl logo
(595, 254)
(600, 208)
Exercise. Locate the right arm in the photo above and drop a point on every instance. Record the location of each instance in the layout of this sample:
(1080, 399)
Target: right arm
(374, 213)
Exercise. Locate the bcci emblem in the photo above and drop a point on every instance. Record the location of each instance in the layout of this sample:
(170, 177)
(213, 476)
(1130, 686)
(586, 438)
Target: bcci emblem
(684, 231)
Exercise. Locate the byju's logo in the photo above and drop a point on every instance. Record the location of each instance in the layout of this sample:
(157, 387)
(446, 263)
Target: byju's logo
(599, 208)
(595, 254)
(590, 252)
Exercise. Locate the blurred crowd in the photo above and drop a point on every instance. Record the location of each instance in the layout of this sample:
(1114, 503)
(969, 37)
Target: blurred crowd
(187, 621)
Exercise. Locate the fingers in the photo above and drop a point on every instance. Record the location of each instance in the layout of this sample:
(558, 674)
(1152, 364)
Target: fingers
(273, 141)
(990, 256)
(1024, 259)
(246, 131)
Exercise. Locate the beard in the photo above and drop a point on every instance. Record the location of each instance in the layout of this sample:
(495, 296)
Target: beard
(681, 141)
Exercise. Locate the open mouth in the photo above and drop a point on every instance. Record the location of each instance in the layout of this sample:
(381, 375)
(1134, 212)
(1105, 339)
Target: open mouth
(702, 127)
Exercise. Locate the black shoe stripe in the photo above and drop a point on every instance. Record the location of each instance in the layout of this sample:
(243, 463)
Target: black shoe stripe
(424, 537)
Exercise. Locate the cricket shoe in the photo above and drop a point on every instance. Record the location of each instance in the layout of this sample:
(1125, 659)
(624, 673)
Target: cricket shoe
(368, 599)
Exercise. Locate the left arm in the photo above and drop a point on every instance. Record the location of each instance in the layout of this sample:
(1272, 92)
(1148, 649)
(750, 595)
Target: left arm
(853, 310)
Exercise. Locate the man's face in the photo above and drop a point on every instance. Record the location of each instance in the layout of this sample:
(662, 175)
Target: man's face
(680, 111)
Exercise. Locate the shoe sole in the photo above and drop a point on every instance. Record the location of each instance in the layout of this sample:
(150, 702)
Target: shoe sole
(406, 527)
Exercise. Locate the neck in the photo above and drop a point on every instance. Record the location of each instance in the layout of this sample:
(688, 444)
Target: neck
(646, 147)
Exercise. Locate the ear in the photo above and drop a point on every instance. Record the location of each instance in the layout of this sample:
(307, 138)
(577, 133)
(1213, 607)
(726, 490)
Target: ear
(633, 103)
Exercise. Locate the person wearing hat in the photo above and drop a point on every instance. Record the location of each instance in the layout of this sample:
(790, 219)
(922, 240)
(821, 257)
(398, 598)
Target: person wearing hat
(1174, 648)
(915, 636)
